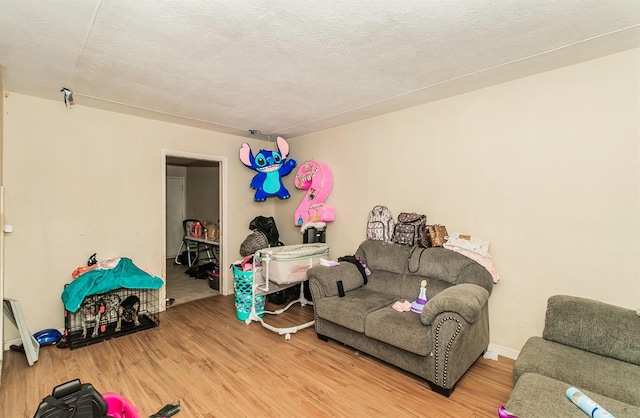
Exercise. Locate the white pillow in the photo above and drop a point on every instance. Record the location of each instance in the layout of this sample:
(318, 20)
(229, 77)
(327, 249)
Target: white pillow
(467, 242)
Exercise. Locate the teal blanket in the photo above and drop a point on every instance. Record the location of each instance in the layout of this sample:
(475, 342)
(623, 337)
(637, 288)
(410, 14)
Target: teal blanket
(124, 274)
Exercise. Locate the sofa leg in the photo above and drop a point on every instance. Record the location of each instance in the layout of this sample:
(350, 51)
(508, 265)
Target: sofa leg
(441, 390)
(323, 337)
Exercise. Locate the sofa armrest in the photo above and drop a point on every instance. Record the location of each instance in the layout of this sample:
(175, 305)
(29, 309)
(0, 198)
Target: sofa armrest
(324, 279)
(467, 300)
(593, 326)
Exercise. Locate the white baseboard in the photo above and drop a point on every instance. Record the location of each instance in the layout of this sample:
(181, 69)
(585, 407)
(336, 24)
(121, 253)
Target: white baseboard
(498, 350)
(9, 343)
(18, 341)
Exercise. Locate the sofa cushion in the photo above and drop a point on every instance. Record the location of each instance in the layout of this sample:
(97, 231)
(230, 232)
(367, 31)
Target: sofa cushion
(399, 329)
(442, 264)
(588, 371)
(431, 263)
(593, 326)
(327, 277)
(538, 396)
(351, 310)
(384, 256)
(389, 283)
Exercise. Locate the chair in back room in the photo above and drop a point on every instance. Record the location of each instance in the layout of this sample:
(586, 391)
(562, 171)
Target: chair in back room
(193, 228)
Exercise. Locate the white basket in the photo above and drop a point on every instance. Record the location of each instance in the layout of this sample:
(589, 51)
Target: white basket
(289, 264)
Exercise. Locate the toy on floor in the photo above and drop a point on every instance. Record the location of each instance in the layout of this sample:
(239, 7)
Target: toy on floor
(119, 407)
(587, 404)
(167, 411)
(503, 413)
(82, 400)
(422, 300)
(45, 337)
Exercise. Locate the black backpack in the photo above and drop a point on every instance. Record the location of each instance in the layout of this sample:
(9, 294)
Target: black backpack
(408, 229)
(266, 225)
(73, 399)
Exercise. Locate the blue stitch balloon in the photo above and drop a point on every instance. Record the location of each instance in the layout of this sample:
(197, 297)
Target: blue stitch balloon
(271, 167)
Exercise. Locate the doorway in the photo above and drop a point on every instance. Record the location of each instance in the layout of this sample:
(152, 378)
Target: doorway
(194, 187)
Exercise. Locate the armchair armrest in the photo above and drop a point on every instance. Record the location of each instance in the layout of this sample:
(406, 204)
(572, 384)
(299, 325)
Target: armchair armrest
(465, 299)
(324, 279)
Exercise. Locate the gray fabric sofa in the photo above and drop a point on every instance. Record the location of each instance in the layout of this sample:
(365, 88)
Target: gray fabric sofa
(440, 343)
(587, 344)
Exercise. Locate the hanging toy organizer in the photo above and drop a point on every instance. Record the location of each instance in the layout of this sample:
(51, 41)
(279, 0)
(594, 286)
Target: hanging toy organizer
(279, 268)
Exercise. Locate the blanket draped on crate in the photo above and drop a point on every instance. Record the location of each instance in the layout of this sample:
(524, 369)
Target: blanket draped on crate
(124, 275)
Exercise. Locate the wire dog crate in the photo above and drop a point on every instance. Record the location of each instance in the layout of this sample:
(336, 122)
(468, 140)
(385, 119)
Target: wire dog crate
(110, 315)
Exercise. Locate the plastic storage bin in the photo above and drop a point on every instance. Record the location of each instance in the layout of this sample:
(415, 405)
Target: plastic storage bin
(242, 286)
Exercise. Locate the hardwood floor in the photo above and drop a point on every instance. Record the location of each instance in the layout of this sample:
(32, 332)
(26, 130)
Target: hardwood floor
(218, 366)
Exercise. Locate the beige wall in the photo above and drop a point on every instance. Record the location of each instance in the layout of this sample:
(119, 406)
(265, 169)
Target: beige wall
(545, 168)
(1, 214)
(203, 193)
(176, 171)
(84, 180)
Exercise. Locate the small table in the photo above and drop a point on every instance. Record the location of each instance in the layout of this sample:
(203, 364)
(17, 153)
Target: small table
(207, 245)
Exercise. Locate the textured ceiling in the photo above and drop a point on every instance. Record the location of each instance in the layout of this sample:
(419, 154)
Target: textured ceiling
(293, 67)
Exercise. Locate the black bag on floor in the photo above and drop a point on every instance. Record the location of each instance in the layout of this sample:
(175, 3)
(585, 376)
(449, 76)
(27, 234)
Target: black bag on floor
(184, 260)
(284, 296)
(73, 399)
(200, 272)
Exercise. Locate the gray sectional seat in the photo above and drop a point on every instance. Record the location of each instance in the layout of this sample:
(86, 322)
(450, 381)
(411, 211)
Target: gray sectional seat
(587, 344)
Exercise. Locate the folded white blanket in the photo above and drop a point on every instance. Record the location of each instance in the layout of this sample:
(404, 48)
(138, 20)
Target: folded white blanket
(486, 262)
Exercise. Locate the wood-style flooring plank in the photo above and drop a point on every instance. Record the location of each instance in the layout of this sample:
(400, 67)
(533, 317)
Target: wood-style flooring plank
(218, 366)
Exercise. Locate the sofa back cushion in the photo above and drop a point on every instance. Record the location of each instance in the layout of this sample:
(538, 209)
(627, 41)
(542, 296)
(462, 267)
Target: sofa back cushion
(431, 263)
(387, 282)
(442, 264)
(384, 256)
(593, 326)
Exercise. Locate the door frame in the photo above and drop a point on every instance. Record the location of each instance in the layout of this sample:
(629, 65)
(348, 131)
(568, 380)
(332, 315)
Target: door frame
(224, 274)
(183, 204)
(2, 232)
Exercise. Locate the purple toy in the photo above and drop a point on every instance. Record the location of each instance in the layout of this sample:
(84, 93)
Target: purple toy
(422, 300)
